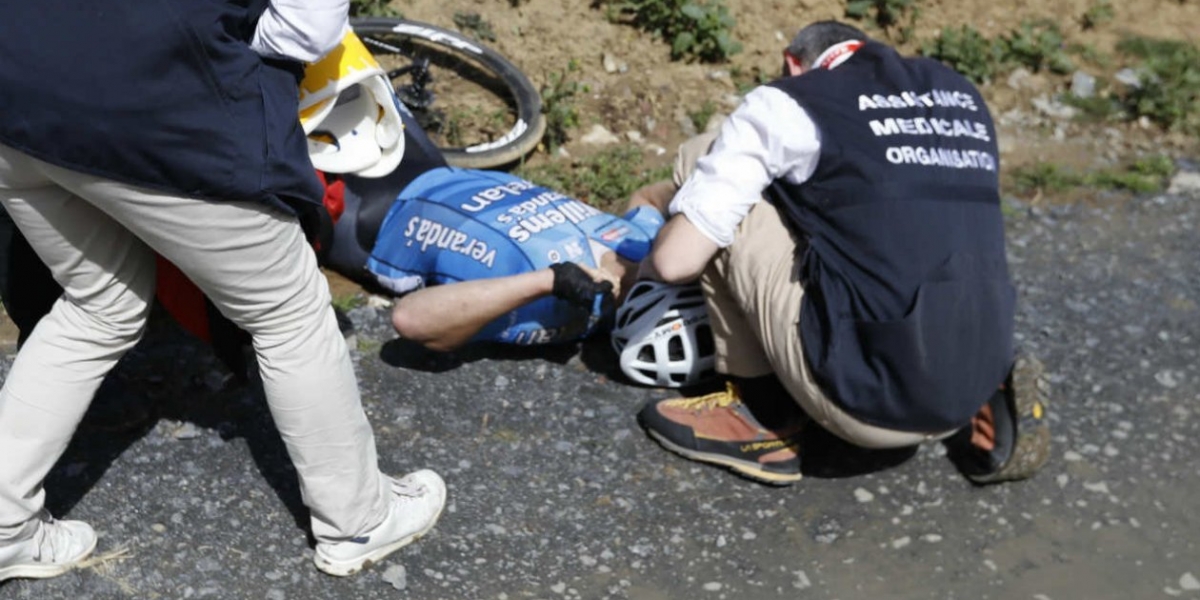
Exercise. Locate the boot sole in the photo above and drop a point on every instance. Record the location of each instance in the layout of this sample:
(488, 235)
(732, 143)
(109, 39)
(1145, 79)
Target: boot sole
(744, 468)
(1032, 447)
(343, 569)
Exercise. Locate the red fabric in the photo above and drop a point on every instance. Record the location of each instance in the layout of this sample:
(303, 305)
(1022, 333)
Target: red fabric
(335, 194)
(182, 299)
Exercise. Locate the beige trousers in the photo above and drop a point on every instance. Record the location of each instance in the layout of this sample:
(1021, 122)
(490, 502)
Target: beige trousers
(754, 295)
(99, 238)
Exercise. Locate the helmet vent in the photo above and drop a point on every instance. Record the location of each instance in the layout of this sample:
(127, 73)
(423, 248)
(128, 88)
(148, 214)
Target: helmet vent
(675, 348)
(704, 340)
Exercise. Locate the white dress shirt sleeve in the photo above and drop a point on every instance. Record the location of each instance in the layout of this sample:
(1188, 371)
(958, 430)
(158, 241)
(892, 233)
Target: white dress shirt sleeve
(768, 137)
(303, 30)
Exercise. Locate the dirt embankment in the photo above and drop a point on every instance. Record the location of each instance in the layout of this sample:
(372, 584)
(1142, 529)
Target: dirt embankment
(642, 90)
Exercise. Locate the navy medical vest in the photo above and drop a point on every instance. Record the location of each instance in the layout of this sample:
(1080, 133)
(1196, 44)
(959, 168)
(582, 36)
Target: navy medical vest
(165, 94)
(907, 320)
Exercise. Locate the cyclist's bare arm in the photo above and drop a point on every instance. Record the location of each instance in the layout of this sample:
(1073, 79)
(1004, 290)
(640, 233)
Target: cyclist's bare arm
(444, 317)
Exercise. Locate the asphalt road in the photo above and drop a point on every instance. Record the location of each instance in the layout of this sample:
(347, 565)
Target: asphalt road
(556, 493)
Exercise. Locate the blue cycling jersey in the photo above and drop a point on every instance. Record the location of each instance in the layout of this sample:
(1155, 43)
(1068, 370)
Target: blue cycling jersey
(458, 224)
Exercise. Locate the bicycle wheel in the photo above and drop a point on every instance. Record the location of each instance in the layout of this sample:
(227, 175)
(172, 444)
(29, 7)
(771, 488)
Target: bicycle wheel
(475, 105)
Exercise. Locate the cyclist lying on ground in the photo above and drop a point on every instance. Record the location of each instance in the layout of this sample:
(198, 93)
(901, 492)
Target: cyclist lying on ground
(483, 255)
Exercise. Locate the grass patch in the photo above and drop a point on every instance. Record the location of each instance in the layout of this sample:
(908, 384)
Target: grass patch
(898, 16)
(1099, 13)
(373, 8)
(349, 302)
(558, 104)
(696, 29)
(1168, 92)
(462, 126)
(1037, 45)
(604, 180)
(1143, 176)
(701, 116)
(1045, 178)
(1099, 108)
(473, 24)
(967, 51)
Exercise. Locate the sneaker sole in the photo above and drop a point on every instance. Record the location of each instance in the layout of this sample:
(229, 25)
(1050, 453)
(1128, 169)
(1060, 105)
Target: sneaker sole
(343, 569)
(44, 571)
(744, 468)
(1032, 448)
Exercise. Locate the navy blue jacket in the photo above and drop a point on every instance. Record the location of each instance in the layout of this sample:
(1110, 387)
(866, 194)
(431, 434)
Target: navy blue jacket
(165, 94)
(908, 310)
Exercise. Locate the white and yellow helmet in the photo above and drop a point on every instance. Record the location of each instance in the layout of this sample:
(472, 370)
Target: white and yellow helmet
(349, 113)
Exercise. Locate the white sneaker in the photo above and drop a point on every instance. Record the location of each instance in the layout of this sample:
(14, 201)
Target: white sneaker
(55, 548)
(417, 502)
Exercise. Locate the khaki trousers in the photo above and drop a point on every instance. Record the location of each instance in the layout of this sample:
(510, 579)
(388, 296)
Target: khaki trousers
(754, 295)
(99, 238)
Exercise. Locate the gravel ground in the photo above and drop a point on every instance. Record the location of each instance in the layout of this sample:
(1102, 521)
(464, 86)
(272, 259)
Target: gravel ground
(556, 493)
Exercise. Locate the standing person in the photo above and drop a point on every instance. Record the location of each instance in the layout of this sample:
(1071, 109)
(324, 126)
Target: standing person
(129, 128)
(870, 295)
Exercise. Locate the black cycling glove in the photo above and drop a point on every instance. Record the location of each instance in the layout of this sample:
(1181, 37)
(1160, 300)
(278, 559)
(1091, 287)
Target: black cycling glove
(574, 285)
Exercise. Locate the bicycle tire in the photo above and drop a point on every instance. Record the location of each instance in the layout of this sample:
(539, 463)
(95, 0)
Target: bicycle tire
(485, 67)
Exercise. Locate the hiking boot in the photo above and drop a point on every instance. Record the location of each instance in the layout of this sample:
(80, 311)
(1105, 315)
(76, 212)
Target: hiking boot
(720, 429)
(417, 502)
(1020, 431)
(54, 548)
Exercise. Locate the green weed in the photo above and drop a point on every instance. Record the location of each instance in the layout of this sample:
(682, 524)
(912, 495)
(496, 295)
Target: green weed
(472, 23)
(1169, 90)
(701, 116)
(1145, 175)
(604, 180)
(462, 126)
(349, 302)
(1090, 54)
(967, 51)
(1096, 109)
(696, 29)
(558, 104)
(887, 14)
(1097, 14)
(1045, 177)
(1158, 165)
(1037, 45)
(372, 8)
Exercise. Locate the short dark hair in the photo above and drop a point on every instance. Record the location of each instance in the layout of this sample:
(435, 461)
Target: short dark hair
(816, 38)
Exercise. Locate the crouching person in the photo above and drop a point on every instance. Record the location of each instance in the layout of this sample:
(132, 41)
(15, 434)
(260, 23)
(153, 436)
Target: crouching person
(869, 293)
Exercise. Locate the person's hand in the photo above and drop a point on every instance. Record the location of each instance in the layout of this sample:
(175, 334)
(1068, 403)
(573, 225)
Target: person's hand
(584, 286)
(600, 275)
